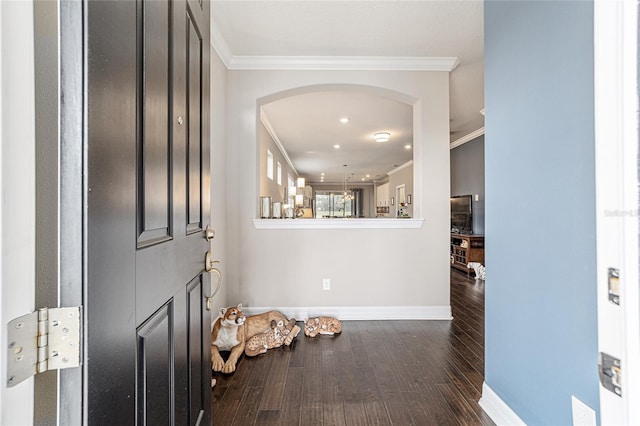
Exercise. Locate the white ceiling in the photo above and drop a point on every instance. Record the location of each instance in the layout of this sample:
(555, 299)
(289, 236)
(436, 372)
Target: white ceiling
(250, 32)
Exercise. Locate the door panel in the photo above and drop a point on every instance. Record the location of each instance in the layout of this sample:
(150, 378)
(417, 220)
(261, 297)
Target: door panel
(155, 372)
(154, 40)
(197, 364)
(148, 170)
(194, 138)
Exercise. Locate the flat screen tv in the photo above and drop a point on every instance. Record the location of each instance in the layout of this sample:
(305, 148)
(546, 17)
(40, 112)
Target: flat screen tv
(461, 214)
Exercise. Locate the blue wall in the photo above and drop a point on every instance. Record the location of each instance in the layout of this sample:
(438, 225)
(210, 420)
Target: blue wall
(541, 331)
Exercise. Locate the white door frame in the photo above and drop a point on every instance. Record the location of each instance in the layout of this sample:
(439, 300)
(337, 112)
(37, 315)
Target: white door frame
(616, 130)
(17, 179)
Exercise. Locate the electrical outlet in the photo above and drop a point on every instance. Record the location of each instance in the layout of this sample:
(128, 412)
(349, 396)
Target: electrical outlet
(583, 415)
(326, 284)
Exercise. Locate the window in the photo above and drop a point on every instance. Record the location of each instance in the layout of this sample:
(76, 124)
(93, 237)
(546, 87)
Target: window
(291, 185)
(279, 173)
(332, 204)
(269, 164)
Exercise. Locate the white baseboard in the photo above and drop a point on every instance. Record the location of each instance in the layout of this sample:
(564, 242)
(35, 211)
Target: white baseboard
(497, 409)
(349, 313)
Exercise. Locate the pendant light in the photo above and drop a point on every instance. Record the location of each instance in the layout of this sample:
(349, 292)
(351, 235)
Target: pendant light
(346, 195)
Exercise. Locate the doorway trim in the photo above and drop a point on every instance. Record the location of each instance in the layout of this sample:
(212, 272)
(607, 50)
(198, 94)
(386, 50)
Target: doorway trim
(616, 154)
(17, 179)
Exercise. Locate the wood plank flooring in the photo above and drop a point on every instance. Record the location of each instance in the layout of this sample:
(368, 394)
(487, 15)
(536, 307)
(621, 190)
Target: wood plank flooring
(373, 373)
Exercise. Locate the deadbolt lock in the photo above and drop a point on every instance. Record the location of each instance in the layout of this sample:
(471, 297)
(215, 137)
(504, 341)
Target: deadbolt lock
(209, 233)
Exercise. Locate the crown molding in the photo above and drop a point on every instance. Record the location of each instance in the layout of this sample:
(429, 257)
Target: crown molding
(267, 125)
(349, 63)
(220, 46)
(467, 138)
(397, 169)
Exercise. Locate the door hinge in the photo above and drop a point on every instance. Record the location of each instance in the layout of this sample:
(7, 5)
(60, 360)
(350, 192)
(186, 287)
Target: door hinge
(613, 282)
(610, 373)
(48, 339)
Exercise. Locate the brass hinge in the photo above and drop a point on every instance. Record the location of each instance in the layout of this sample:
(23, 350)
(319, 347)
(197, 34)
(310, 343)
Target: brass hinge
(48, 339)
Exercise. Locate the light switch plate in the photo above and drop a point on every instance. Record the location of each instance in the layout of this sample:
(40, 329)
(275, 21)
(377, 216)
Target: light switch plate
(326, 284)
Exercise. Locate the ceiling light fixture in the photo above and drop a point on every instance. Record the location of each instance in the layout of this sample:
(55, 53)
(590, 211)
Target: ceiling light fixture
(407, 146)
(381, 136)
(344, 120)
(336, 146)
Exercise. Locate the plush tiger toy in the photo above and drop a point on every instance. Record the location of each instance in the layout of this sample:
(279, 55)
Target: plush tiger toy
(279, 334)
(322, 325)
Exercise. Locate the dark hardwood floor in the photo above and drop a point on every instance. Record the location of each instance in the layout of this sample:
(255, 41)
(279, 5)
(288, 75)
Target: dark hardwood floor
(373, 373)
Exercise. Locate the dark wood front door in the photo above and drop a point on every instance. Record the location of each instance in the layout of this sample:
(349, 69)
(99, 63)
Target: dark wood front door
(147, 201)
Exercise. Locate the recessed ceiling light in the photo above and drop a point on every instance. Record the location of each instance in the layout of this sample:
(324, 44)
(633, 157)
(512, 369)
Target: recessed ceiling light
(407, 146)
(381, 136)
(344, 120)
(368, 176)
(362, 179)
(322, 174)
(336, 146)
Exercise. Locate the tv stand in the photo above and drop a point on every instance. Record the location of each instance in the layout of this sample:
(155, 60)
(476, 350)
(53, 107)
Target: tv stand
(466, 248)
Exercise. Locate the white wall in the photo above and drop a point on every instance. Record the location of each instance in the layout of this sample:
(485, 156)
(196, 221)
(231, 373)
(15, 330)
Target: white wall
(368, 267)
(17, 179)
(218, 172)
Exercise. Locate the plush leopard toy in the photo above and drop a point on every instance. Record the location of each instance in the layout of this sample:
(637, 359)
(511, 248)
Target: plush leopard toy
(322, 325)
(279, 334)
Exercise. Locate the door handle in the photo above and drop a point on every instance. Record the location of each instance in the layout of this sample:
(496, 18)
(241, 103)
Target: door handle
(209, 233)
(208, 266)
(208, 262)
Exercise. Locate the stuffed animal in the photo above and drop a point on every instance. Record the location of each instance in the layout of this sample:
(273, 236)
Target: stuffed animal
(279, 334)
(322, 325)
(232, 329)
(479, 269)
